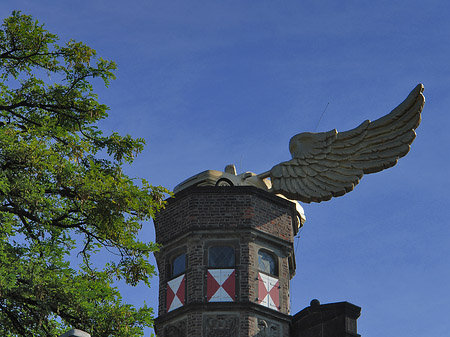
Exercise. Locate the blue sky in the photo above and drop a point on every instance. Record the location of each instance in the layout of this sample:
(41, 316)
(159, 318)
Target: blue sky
(211, 83)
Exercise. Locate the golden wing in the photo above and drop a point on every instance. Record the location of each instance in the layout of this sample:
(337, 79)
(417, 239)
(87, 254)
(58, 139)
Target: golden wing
(330, 164)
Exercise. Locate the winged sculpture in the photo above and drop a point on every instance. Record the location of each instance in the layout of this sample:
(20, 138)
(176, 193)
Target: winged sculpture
(330, 164)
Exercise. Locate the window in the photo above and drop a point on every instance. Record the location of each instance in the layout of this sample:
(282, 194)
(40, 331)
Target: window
(221, 274)
(178, 266)
(267, 262)
(221, 257)
(176, 285)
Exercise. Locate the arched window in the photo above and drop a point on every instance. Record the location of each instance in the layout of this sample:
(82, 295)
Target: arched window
(221, 274)
(267, 262)
(221, 257)
(176, 283)
(178, 265)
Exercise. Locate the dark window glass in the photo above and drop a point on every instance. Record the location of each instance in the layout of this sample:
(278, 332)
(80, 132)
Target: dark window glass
(267, 263)
(221, 257)
(179, 265)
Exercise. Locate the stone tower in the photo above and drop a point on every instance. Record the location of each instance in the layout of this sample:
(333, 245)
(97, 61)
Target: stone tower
(225, 264)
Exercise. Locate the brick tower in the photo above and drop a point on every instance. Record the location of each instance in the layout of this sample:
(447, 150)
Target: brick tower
(225, 263)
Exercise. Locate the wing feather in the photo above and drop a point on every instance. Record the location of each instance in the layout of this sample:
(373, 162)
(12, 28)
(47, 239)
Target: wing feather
(291, 170)
(299, 171)
(289, 185)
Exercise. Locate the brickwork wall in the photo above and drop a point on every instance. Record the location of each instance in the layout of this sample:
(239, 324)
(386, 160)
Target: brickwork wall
(195, 272)
(195, 324)
(162, 283)
(246, 327)
(225, 207)
(285, 287)
(246, 274)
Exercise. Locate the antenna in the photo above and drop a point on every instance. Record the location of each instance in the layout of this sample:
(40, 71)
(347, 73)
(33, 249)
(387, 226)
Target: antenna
(321, 116)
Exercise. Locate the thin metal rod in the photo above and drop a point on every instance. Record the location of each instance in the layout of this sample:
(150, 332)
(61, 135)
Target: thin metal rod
(321, 116)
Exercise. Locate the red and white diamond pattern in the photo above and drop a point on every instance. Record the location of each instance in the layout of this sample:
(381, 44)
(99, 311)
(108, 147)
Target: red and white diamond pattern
(268, 291)
(221, 285)
(175, 293)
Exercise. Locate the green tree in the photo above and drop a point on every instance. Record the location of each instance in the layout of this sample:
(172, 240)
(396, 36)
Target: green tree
(59, 196)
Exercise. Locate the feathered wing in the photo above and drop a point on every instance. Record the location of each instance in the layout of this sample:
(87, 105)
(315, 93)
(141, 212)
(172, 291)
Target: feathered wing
(330, 164)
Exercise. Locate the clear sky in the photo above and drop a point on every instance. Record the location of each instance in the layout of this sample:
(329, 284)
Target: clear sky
(210, 83)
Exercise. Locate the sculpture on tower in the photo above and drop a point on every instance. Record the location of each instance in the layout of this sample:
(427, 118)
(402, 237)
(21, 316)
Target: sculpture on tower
(330, 164)
(227, 254)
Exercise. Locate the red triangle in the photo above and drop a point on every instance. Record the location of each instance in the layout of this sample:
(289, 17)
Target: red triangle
(229, 285)
(262, 291)
(181, 292)
(169, 298)
(211, 286)
(275, 294)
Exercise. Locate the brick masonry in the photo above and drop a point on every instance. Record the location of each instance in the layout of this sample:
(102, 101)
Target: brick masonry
(226, 207)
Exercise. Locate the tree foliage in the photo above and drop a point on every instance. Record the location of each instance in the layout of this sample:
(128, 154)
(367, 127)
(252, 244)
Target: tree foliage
(60, 197)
